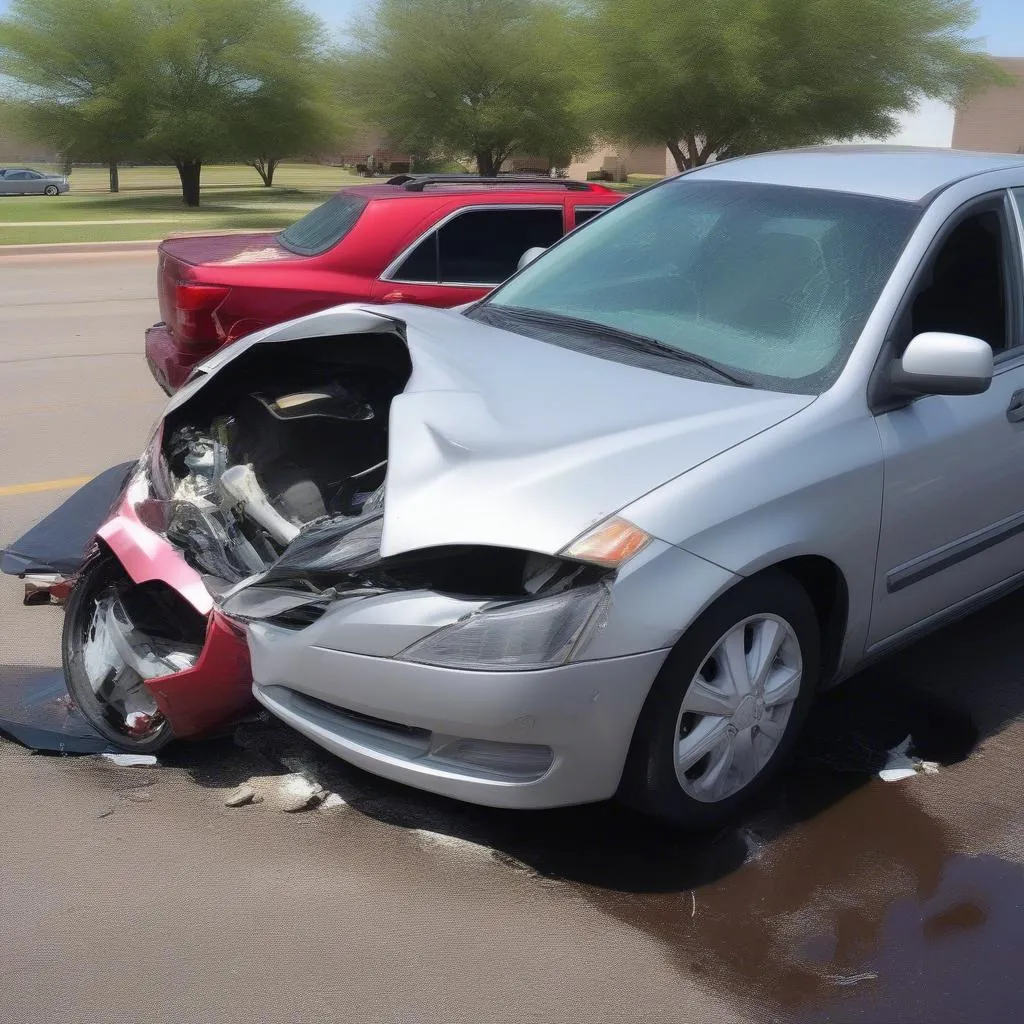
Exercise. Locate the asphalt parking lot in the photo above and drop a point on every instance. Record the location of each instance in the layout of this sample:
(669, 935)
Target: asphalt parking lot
(137, 895)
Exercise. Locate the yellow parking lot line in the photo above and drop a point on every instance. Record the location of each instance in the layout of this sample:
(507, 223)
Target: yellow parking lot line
(44, 485)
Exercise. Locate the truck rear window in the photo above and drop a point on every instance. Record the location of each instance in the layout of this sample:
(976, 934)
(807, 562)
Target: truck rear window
(323, 228)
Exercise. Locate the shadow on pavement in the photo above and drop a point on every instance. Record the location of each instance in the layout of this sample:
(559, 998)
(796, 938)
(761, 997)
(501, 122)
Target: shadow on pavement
(838, 897)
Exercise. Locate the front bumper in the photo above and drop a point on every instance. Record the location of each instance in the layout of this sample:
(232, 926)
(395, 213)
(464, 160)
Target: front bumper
(527, 739)
(534, 739)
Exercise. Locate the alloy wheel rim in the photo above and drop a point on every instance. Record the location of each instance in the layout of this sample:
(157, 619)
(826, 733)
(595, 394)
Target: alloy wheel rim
(736, 708)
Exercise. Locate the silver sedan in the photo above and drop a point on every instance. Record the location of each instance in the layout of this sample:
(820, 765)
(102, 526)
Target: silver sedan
(22, 181)
(609, 530)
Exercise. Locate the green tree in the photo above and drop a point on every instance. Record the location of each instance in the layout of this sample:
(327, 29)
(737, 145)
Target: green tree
(188, 81)
(292, 115)
(715, 78)
(216, 68)
(479, 78)
(76, 76)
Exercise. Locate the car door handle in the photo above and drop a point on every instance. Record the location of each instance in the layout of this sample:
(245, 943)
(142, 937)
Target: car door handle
(394, 297)
(1015, 410)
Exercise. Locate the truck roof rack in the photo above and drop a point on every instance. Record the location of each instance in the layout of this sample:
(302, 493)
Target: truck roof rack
(418, 182)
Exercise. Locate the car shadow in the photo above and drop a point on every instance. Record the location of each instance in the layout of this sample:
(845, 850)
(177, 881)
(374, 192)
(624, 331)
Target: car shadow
(835, 897)
(946, 694)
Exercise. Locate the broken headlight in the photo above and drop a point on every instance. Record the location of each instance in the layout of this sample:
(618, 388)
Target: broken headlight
(153, 465)
(541, 632)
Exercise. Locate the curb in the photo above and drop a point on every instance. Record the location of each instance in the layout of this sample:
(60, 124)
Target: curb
(136, 245)
(57, 248)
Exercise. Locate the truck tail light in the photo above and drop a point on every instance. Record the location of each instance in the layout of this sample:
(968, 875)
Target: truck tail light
(195, 313)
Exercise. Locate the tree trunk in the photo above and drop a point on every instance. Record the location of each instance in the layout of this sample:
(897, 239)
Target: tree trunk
(485, 164)
(677, 154)
(189, 171)
(265, 167)
(115, 183)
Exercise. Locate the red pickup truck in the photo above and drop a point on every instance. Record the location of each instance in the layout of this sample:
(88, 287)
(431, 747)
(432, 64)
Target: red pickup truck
(439, 240)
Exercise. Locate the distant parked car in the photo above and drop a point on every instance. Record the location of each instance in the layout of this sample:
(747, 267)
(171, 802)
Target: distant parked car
(22, 181)
(434, 240)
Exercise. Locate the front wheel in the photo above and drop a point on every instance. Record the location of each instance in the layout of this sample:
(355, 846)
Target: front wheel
(725, 710)
(52, 190)
(96, 647)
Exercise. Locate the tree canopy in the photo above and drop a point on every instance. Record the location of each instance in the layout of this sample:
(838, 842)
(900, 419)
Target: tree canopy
(484, 78)
(187, 81)
(710, 78)
(79, 72)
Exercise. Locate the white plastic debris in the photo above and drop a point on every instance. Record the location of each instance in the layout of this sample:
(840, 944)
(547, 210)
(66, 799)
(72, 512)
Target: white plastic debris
(295, 793)
(132, 760)
(900, 765)
(242, 796)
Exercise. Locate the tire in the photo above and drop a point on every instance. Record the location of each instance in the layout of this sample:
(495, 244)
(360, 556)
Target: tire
(693, 710)
(101, 577)
(51, 190)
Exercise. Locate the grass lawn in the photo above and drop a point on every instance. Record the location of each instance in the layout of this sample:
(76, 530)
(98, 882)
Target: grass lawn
(302, 176)
(149, 204)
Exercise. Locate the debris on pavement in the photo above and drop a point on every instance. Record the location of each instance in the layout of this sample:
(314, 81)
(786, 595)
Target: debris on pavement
(131, 760)
(297, 793)
(36, 712)
(852, 979)
(242, 797)
(900, 764)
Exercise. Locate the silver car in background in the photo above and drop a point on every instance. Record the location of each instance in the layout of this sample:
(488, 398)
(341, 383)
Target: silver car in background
(622, 519)
(22, 181)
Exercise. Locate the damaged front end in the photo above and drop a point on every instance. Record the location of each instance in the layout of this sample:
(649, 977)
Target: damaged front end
(272, 486)
(260, 503)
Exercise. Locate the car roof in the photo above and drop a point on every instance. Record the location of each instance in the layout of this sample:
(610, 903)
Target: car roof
(907, 173)
(550, 189)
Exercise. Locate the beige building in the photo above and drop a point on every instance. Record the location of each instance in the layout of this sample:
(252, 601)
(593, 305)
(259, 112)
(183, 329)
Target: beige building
(622, 160)
(993, 121)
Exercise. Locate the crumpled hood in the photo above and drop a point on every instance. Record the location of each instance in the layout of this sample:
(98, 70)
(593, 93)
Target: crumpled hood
(499, 439)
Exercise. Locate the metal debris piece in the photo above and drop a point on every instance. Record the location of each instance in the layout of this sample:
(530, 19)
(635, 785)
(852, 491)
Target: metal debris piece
(35, 710)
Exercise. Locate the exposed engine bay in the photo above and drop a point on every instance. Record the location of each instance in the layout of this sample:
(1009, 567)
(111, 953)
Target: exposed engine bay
(274, 490)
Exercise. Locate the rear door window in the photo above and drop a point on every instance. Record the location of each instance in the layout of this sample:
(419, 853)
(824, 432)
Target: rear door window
(481, 246)
(583, 214)
(323, 228)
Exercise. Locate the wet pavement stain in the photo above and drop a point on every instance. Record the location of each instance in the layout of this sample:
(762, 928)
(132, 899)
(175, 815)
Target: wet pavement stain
(837, 898)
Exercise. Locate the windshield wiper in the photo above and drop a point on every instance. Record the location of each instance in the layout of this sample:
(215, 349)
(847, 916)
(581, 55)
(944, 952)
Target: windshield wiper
(596, 330)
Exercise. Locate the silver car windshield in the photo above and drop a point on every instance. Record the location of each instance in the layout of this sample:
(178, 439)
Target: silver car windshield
(770, 284)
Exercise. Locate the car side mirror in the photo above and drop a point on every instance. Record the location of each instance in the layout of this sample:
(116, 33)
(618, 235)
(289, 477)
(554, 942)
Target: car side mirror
(529, 256)
(937, 363)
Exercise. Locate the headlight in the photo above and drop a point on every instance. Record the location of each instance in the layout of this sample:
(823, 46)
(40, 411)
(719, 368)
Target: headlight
(611, 543)
(537, 633)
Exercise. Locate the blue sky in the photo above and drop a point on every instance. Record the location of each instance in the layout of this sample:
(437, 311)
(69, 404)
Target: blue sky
(1000, 24)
